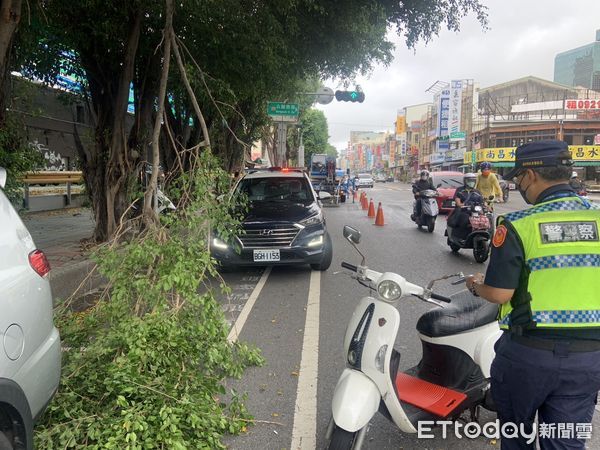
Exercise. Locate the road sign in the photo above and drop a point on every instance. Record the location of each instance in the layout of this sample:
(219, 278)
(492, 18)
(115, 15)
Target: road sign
(458, 135)
(283, 112)
(324, 95)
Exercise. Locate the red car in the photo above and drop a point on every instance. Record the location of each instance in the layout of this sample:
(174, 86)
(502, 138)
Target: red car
(448, 181)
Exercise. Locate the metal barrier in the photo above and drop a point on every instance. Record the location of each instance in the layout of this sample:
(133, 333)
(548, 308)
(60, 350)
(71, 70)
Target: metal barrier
(52, 177)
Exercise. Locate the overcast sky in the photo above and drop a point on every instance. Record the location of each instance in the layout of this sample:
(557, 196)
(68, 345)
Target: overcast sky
(523, 38)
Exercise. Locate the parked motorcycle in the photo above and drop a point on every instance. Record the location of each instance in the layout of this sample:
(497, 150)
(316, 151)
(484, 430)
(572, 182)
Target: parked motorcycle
(480, 232)
(458, 349)
(429, 209)
(164, 204)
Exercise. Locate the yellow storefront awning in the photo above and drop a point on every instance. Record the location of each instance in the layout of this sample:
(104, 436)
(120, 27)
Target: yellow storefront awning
(590, 154)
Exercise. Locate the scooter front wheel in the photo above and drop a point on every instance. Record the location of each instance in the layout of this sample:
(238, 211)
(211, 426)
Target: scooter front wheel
(341, 439)
(481, 250)
(430, 223)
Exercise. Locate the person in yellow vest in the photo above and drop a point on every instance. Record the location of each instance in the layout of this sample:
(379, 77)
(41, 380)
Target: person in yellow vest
(487, 182)
(544, 272)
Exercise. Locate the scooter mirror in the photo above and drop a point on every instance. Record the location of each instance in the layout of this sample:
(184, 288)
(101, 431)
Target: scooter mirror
(439, 185)
(491, 197)
(352, 234)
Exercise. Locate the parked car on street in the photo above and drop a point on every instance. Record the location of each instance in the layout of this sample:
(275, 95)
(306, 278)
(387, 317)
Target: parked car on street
(284, 224)
(30, 356)
(365, 180)
(446, 183)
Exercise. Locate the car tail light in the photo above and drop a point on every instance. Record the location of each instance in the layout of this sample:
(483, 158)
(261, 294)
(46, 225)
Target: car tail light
(39, 262)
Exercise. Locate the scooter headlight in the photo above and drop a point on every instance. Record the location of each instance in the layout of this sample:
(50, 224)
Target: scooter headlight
(389, 290)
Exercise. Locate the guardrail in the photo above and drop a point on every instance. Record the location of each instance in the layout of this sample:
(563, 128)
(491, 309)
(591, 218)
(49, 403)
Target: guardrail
(52, 177)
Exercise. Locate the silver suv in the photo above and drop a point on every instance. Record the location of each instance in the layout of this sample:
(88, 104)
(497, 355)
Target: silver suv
(29, 343)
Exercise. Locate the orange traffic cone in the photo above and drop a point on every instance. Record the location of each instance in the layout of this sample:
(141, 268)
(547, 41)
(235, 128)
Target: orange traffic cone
(363, 201)
(379, 218)
(371, 213)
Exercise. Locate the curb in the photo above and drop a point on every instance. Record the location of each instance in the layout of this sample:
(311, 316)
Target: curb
(66, 280)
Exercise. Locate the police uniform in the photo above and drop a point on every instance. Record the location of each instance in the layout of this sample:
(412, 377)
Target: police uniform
(548, 359)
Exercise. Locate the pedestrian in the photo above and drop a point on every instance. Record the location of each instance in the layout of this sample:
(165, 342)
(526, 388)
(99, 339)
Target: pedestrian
(543, 272)
(354, 187)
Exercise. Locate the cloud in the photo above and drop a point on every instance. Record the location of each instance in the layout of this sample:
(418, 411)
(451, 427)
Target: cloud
(523, 39)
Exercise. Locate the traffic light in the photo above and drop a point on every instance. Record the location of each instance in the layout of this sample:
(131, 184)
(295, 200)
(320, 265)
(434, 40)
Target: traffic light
(350, 96)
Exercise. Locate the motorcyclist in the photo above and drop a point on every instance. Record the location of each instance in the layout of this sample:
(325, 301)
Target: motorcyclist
(487, 182)
(576, 184)
(466, 195)
(422, 184)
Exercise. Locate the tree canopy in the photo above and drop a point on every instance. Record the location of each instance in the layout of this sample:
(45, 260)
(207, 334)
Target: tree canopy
(237, 54)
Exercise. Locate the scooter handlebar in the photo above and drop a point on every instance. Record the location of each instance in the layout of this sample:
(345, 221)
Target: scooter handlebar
(440, 298)
(349, 266)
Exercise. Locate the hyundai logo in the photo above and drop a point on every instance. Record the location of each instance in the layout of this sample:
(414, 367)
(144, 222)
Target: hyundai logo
(266, 232)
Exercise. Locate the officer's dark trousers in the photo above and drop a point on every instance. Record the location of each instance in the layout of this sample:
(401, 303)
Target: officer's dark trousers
(559, 385)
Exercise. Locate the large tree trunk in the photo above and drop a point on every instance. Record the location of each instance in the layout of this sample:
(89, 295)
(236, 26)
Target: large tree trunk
(108, 167)
(10, 16)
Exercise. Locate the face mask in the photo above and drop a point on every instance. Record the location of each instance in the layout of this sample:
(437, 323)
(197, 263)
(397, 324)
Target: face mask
(470, 184)
(523, 192)
(485, 173)
(424, 177)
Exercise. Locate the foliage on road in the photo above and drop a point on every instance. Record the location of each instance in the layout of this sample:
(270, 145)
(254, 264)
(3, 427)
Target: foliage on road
(146, 364)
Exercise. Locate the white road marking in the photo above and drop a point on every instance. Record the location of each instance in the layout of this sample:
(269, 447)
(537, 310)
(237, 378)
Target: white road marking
(236, 329)
(304, 433)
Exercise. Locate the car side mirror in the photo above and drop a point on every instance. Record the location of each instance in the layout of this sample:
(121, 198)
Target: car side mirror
(352, 234)
(2, 177)
(323, 195)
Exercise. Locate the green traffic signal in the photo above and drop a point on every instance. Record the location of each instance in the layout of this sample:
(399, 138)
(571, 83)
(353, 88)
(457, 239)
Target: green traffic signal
(350, 96)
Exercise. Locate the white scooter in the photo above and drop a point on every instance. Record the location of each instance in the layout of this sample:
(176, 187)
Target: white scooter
(452, 377)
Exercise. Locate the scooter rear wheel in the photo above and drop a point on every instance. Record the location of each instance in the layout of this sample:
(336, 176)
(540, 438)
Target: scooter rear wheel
(454, 247)
(341, 439)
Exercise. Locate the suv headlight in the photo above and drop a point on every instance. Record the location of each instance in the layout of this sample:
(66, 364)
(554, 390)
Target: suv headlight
(219, 243)
(313, 220)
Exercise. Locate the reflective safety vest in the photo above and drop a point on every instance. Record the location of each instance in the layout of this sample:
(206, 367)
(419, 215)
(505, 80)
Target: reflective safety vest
(560, 283)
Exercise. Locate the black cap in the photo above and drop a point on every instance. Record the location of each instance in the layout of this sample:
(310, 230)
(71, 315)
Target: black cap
(534, 155)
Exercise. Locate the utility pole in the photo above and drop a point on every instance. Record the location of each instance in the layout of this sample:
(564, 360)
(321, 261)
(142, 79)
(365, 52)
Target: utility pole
(300, 150)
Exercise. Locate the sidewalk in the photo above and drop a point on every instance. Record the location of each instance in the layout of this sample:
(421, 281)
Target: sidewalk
(58, 233)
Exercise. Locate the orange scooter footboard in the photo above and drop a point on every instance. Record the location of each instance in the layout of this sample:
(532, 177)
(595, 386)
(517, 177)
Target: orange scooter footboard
(430, 397)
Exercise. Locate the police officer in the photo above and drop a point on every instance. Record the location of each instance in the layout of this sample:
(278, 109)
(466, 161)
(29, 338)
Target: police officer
(544, 274)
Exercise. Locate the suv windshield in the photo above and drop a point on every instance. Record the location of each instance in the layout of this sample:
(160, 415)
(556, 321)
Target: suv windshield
(447, 181)
(294, 190)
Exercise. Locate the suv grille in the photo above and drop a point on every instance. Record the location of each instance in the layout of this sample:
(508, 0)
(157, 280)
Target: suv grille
(278, 236)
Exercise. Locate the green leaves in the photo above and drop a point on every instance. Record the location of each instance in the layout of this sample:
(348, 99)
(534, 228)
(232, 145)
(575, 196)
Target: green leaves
(146, 365)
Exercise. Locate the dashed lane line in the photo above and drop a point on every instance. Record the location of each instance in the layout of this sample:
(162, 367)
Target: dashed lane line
(304, 432)
(237, 327)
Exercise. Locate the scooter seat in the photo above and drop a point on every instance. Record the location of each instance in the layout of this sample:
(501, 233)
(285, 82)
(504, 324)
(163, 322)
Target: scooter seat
(464, 313)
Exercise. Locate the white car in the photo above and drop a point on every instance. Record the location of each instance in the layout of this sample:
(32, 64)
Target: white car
(30, 356)
(365, 180)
